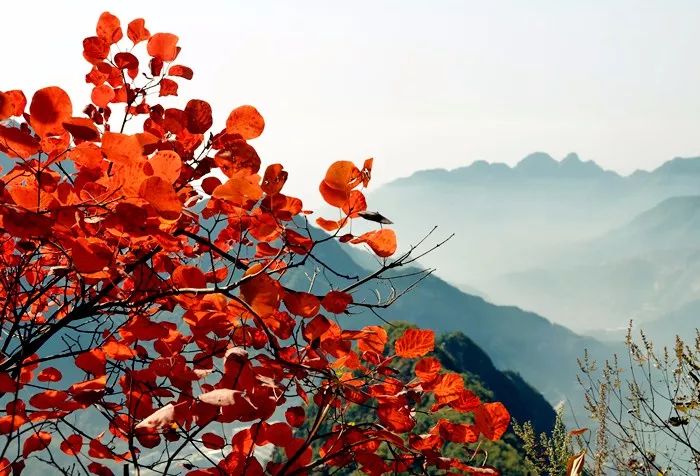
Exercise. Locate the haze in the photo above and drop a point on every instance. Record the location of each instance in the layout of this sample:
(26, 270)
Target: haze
(414, 84)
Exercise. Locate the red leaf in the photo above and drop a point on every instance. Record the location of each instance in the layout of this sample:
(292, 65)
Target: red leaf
(213, 441)
(168, 87)
(7, 383)
(72, 445)
(336, 301)
(181, 72)
(302, 304)
(17, 143)
(295, 416)
(82, 128)
(245, 121)
(415, 343)
(50, 108)
(109, 28)
(48, 399)
(189, 277)
(36, 442)
(163, 46)
(199, 118)
(395, 418)
(209, 184)
(382, 242)
(458, 432)
(274, 179)
(91, 255)
(99, 469)
(92, 361)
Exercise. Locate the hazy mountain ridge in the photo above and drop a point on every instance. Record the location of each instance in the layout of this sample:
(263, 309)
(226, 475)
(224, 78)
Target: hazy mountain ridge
(548, 235)
(541, 164)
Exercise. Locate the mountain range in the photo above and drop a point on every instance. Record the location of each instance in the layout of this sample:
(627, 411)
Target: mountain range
(584, 246)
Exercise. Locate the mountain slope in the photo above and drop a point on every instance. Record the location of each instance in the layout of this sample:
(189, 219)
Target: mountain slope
(544, 354)
(642, 270)
(458, 353)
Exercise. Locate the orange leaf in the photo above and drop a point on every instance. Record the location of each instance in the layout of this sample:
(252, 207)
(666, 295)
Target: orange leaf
(492, 420)
(262, 293)
(382, 242)
(449, 387)
(17, 143)
(245, 121)
(372, 338)
(167, 165)
(12, 103)
(329, 225)
(356, 203)
(124, 148)
(239, 190)
(342, 175)
(415, 343)
(36, 442)
(163, 46)
(118, 351)
(50, 108)
(102, 95)
(162, 196)
(427, 369)
(137, 32)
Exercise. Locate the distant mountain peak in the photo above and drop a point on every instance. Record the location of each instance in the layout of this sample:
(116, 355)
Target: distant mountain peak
(571, 157)
(679, 166)
(537, 162)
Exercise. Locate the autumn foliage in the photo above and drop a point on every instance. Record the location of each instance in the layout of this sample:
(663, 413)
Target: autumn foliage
(146, 316)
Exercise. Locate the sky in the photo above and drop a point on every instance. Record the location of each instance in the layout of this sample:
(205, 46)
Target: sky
(414, 84)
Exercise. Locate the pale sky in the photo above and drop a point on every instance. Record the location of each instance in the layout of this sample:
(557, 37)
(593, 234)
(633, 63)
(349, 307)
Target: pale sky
(415, 84)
